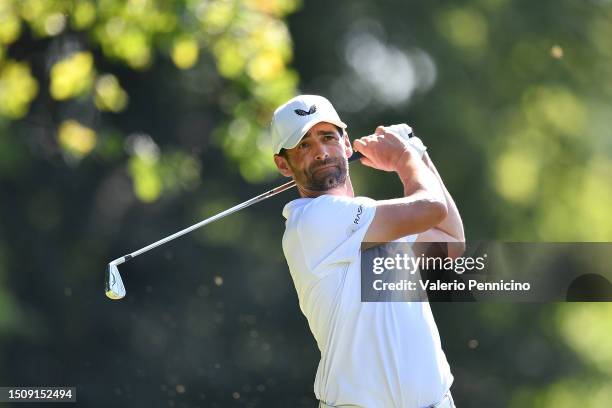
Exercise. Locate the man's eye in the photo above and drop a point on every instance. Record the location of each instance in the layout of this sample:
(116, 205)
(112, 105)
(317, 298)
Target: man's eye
(303, 145)
(330, 137)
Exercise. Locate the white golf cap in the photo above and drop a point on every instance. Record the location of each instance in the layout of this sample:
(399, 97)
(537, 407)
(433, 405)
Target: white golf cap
(294, 118)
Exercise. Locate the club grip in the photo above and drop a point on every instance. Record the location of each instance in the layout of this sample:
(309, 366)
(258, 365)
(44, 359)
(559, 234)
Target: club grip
(356, 155)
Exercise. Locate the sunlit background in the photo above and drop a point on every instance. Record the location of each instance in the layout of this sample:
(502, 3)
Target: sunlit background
(122, 121)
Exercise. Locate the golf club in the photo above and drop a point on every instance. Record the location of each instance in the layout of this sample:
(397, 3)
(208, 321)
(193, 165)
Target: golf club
(114, 288)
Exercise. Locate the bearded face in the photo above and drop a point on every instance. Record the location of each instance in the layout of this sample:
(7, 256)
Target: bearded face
(319, 162)
(324, 175)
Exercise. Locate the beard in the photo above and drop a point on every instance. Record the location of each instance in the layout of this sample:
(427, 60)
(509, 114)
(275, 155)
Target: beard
(328, 178)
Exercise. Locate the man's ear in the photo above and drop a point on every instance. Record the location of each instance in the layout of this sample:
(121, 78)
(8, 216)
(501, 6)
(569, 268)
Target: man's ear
(282, 165)
(348, 148)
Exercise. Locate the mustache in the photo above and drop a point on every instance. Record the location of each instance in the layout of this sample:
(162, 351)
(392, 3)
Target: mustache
(326, 162)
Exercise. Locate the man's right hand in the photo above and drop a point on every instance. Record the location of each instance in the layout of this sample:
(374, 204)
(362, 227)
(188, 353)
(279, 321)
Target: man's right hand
(385, 150)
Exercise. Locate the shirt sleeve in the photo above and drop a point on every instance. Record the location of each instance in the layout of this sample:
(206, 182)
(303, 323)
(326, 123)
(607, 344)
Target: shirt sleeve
(331, 229)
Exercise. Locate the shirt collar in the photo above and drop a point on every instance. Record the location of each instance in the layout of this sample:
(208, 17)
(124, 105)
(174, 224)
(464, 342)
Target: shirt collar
(292, 205)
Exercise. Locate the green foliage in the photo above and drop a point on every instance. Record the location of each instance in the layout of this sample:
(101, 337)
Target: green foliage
(248, 41)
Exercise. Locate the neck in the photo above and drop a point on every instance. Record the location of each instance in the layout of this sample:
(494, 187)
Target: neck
(345, 190)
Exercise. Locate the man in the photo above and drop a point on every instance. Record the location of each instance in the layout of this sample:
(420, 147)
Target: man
(373, 355)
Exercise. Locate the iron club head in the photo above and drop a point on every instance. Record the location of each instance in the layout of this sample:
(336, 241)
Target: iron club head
(114, 285)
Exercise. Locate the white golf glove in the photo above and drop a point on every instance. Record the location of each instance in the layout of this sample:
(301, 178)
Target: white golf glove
(405, 132)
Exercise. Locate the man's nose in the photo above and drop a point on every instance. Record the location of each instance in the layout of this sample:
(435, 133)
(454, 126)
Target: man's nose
(321, 153)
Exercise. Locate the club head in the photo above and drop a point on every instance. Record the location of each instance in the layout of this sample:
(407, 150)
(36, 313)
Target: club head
(114, 285)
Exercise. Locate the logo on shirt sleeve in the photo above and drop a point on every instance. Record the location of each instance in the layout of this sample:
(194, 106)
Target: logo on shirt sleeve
(359, 212)
(355, 225)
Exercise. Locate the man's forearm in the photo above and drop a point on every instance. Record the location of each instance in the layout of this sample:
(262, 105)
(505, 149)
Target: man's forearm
(452, 224)
(417, 176)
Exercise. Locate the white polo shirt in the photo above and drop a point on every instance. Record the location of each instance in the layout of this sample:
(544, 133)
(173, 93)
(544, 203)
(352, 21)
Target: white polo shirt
(374, 355)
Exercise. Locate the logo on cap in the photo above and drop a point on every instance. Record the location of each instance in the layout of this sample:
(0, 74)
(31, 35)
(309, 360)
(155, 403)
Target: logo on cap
(312, 110)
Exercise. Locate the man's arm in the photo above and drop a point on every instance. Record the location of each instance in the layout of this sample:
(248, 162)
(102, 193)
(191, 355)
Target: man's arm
(450, 229)
(423, 205)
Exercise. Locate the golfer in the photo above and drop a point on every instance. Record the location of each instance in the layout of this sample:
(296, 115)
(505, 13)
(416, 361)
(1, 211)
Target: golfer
(373, 355)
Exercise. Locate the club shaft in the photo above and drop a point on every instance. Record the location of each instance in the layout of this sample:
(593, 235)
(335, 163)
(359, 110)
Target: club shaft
(216, 217)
